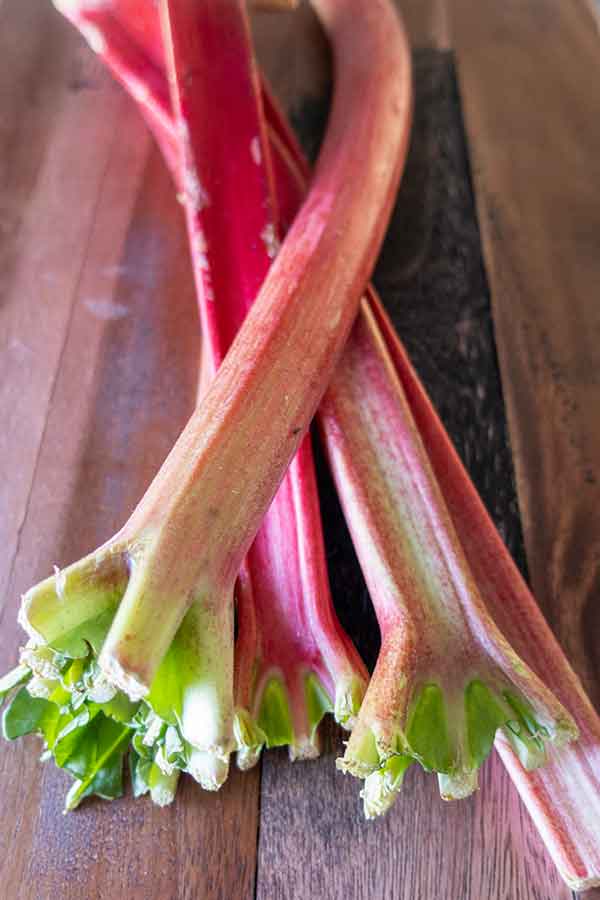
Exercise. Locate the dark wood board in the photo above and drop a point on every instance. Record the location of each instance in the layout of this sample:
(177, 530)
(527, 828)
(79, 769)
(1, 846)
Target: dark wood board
(98, 367)
(534, 139)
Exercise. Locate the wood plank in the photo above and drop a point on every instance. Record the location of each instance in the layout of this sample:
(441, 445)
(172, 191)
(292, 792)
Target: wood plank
(46, 169)
(534, 139)
(313, 839)
(110, 378)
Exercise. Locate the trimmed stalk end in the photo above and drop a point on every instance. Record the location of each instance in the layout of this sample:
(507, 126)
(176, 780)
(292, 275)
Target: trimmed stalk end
(163, 792)
(249, 739)
(381, 786)
(24, 621)
(348, 698)
(209, 767)
(449, 738)
(124, 681)
(72, 609)
(291, 718)
(458, 785)
(362, 757)
(305, 749)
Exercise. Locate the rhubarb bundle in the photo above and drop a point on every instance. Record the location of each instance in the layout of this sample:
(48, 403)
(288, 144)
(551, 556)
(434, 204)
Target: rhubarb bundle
(133, 646)
(150, 614)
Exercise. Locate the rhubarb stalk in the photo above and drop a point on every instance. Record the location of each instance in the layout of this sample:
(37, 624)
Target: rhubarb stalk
(158, 597)
(292, 660)
(563, 796)
(446, 680)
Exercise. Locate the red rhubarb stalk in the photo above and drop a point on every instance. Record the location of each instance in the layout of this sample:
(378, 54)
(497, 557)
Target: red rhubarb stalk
(292, 658)
(182, 548)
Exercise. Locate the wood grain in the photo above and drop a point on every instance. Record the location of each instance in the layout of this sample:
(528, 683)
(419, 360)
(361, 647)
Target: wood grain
(534, 139)
(98, 374)
(98, 368)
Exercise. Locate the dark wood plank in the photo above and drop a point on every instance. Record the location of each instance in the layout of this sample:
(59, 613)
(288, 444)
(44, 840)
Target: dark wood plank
(97, 297)
(313, 839)
(534, 138)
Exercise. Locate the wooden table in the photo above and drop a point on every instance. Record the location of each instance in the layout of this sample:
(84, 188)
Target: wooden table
(494, 286)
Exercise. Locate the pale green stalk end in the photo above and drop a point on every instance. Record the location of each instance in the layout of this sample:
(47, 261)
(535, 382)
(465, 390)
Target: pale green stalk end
(73, 609)
(458, 785)
(209, 768)
(249, 739)
(163, 788)
(193, 689)
(363, 758)
(289, 719)
(88, 726)
(348, 699)
(382, 786)
(148, 778)
(447, 738)
(274, 717)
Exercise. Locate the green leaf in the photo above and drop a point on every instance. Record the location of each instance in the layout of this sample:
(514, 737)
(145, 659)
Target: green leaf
(26, 714)
(74, 731)
(121, 709)
(98, 761)
(13, 679)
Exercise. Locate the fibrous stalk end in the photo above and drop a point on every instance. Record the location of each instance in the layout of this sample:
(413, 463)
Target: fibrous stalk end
(348, 698)
(124, 681)
(209, 767)
(249, 739)
(451, 739)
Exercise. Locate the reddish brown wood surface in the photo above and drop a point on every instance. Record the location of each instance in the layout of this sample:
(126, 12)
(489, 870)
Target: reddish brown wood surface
(98, 366)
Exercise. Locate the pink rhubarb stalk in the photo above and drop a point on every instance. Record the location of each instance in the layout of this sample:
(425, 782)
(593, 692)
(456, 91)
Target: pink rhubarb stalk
(292, 659)
(182, 548)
